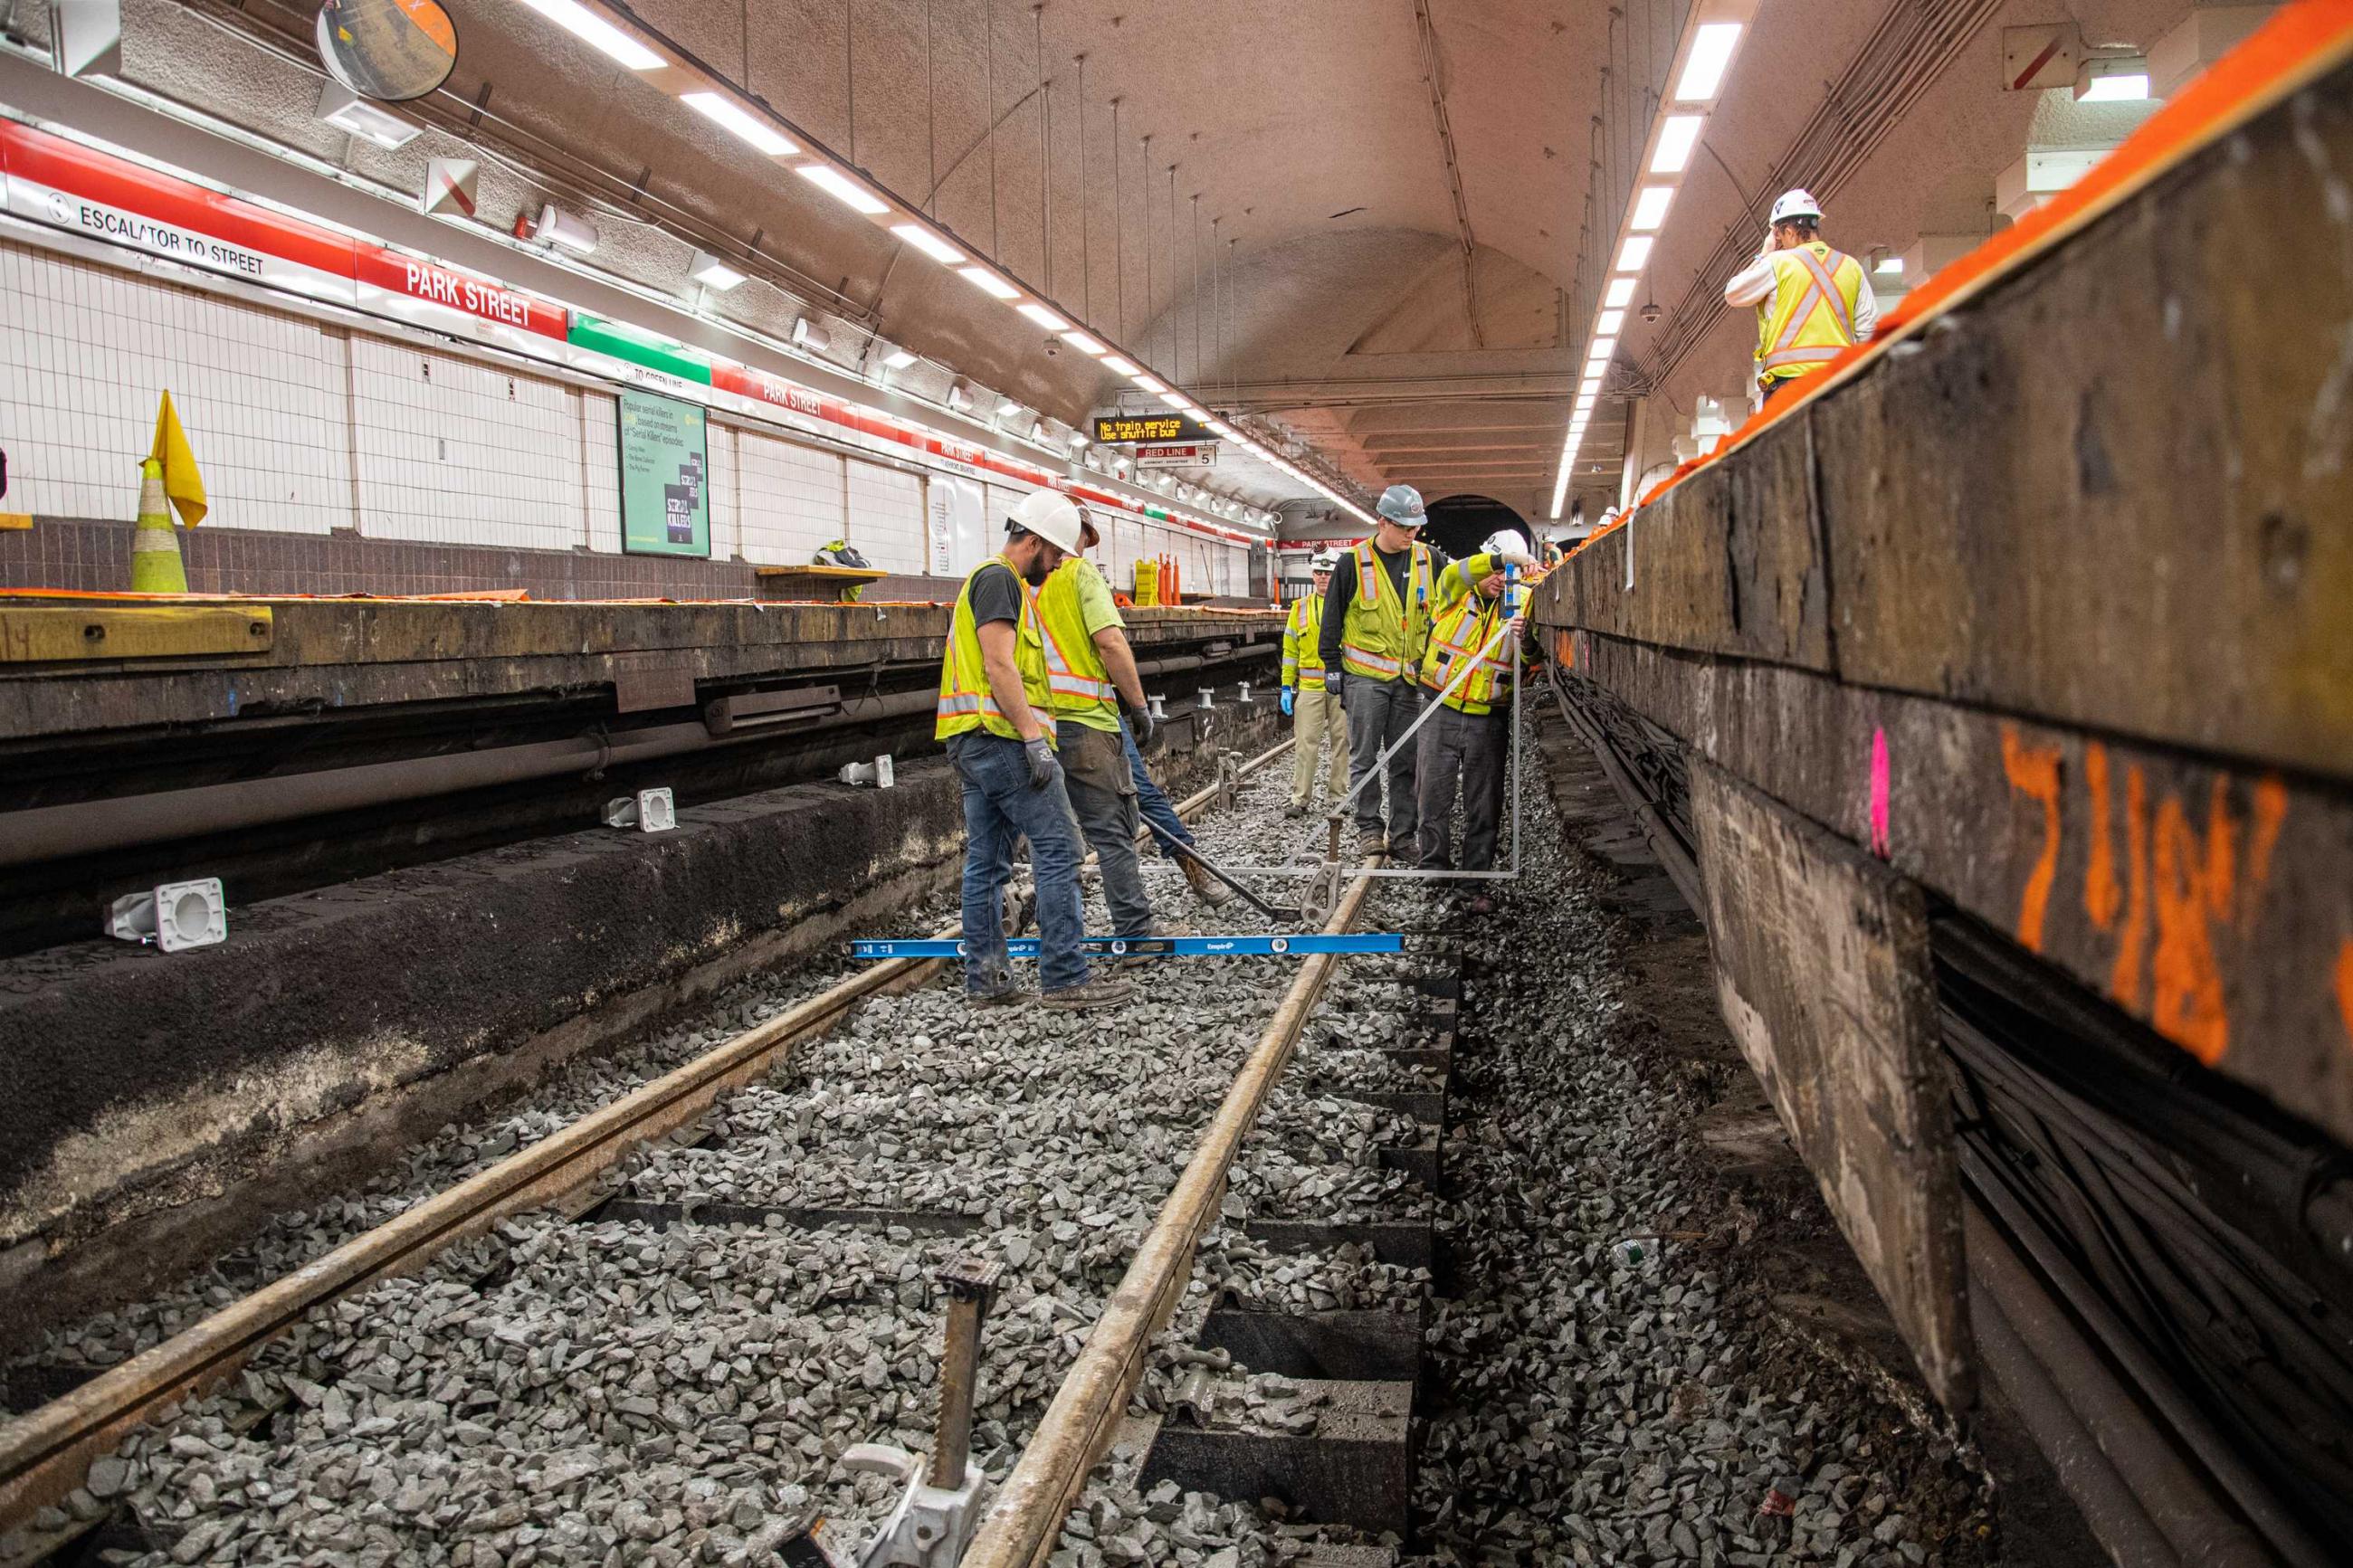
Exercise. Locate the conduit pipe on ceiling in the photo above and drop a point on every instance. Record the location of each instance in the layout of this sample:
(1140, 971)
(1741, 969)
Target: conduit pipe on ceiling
(128, 822)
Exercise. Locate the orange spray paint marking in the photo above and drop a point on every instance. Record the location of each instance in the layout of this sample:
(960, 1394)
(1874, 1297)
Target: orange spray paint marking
(2192, 888)
(2102, 897)
(1882, 844)
(2124, 981)
(2344, 986)
(2034, 771)
(2271, 812)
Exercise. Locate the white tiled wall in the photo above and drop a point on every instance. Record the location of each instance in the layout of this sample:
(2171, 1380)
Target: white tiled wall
(790, 499)
(87, 351)
(450, 449)
(886, 516)
(281, 411)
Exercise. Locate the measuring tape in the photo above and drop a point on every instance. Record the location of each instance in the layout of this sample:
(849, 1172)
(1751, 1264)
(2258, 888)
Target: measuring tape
(1297, 945)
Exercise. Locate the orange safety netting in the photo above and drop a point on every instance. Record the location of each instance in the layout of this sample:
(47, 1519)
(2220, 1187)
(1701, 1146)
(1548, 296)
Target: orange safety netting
(2306, 38)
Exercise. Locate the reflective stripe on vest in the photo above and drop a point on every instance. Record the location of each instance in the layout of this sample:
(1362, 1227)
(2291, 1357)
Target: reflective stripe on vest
(1366, 640)
(1077, 683)
(1302, 658)
(1809, 324)
(1463, 632)
(965, 702)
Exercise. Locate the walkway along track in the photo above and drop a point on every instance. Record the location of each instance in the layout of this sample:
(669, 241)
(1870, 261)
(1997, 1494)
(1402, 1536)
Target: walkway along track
(48, 1452)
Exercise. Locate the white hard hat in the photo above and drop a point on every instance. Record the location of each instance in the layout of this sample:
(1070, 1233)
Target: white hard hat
(1053, 517)
(1797, 203)
(1323, 561)
(1505, 542)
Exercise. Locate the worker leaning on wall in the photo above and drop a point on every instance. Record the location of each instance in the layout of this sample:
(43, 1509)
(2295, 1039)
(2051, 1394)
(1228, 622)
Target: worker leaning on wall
(1811, 301)
(1317, 723)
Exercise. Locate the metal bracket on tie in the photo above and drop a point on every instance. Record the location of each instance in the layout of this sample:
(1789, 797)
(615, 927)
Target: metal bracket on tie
(1229, 778)
(1159, 706)
(1208, 697)
(940, 1508)
(1321, 896)
(648, 810)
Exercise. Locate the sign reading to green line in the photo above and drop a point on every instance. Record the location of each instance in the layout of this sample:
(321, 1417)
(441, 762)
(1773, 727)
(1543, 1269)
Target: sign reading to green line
(665, 501)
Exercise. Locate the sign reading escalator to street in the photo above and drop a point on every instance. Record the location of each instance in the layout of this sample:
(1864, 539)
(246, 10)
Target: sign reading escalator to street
(665, 501)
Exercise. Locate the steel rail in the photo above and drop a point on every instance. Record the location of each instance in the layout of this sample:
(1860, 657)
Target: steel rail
(1025, 1518)
(46, 1454)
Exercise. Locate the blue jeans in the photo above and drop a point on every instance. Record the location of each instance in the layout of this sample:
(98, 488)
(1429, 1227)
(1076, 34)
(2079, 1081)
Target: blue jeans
(999, 807)
(1153, 802)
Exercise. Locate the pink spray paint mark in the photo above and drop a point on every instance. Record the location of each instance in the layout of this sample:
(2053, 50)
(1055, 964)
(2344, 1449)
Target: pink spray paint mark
(1880, 845)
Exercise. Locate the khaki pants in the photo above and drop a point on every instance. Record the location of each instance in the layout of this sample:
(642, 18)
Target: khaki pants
(1320, 726)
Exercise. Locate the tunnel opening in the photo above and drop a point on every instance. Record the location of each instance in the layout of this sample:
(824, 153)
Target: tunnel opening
(1459, 524)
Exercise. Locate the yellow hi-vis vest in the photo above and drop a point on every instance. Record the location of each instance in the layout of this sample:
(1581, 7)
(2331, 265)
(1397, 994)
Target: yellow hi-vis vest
(965, 701)
(1381, 637)
(1460, 630)
(1810, 316)
(1302, 644)
(1081, 688)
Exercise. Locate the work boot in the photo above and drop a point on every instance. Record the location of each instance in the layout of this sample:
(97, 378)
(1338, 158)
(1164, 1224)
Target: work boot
(1011, 996)
(1212, 893)
(1296, 808)
(1094, 993)
(1371, 842)
(1405, 847)
(1481, 904)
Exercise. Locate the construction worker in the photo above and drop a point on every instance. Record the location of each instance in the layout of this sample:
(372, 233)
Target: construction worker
(1376, 618)
(1462, 745)
(1811, 301)
(1103, 683)
(1317, 723)
(996, 714)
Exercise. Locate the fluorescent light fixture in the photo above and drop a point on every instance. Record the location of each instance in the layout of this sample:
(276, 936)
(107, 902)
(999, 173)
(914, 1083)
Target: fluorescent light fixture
(1712, 49)
(1633, 253)
(1043, 317)
(1119, 365)
(960, 398)
(1607, 323)
(1077, 439)
(1007, 407)
(1650, 208)
(1037, 431)
(1083, 343)
(1602, 348)
(348, 112)
(808, 336)
(2112, 78)
(1149, 383)
(843, 189)
(724, 111)
(713, 273)
(1591, 384)
(1119, 463)
(1620, 292)
(1677, 137)
(897, 359)
(557, 226)
(1890, 266)
(583, 23)
(1193, 408)
(1225, 432)
(989, 283)
(1584, 406)
(1174, 399)
(930, 244)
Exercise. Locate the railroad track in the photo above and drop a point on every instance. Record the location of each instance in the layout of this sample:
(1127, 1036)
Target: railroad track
(898, 1138)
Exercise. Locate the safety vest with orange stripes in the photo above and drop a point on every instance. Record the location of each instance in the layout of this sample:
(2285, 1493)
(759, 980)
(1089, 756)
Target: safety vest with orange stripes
(1465, 623)
(965, 701)
(1810, 316)
(1381, 635)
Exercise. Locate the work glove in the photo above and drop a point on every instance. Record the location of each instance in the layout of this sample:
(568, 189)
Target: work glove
(1337, 685)
(1287, 693)
(1139, 721)
(1041, 762)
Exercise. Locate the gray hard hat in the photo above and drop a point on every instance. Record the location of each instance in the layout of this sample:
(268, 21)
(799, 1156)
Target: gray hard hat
(1401, 504)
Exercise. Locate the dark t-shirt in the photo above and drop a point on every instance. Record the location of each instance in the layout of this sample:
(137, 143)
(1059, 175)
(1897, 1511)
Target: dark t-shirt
(995, 595)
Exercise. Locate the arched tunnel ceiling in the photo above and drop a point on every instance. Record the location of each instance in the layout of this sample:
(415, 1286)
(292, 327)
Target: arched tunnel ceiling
(1309, 261)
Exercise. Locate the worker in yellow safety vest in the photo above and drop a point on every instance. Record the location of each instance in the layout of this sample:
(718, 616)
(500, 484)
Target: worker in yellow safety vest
(1811, 301)
(1376, 618)
(1462, 745)
(998, 683)
(1104, 692)
(1317, 723)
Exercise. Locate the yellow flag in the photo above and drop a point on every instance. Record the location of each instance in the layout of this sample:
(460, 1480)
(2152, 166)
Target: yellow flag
(181, 480)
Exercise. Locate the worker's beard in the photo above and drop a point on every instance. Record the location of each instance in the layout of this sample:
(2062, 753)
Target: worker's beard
(1037, 570)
